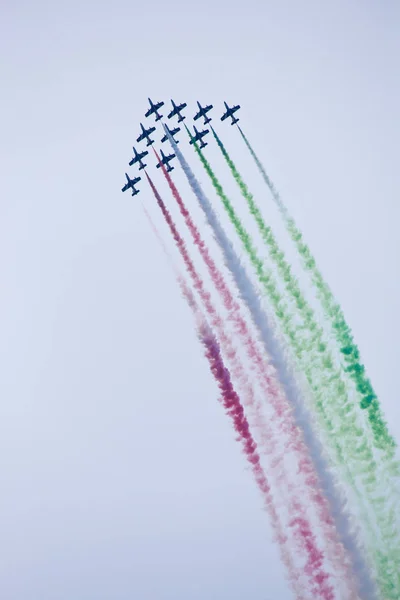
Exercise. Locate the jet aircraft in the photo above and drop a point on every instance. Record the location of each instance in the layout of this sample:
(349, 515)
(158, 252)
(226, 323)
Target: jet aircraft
(165, 160)
(176, 110)
(131, 184)
(146, 135)
(171, 132)
(229, 113)
(138, 158)
(153, 110)
(202, 112)
(198, 137)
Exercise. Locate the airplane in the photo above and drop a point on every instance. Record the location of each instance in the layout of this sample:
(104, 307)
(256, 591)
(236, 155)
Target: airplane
(165, 161)
(176, 110)
(131, 184)
(138, 158)
(146, 135)
(198, 137)
(203, 112)
(229, 113)
(153, 110)
(171, 132)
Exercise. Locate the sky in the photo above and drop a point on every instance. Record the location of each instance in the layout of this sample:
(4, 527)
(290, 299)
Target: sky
(120, 474)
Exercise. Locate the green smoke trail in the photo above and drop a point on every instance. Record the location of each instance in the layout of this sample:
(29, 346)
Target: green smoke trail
(334, 313)
(311, 324)
(351, 452)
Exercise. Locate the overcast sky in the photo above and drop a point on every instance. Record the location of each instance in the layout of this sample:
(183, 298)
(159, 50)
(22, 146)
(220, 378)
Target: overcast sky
(120, 476)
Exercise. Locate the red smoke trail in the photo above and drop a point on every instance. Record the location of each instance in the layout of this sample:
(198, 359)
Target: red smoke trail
(289, 434)
(270, 387)
(281, 538)
(299, 525)
(229, 302)
(217, 322)
(234, 410)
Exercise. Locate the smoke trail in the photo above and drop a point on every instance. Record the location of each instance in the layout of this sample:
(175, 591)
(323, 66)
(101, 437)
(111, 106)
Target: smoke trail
(250, 296)
(234, 410)
(309, 320)
(164, 249)
(334, 313)
(229, 302)
(293, 574)
(379, 479)
(334, 413)
(298, 523)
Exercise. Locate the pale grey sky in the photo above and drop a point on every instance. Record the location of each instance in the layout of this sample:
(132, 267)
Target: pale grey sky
(120, 475)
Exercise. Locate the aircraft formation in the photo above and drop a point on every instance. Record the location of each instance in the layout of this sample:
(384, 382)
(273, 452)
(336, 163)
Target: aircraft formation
(284, 360)
(176, 111)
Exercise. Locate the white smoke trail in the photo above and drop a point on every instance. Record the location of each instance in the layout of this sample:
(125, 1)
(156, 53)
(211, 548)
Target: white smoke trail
(248, 292)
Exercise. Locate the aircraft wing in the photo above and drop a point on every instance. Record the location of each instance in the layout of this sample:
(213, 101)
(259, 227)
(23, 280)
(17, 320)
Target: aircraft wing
(164, 139)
